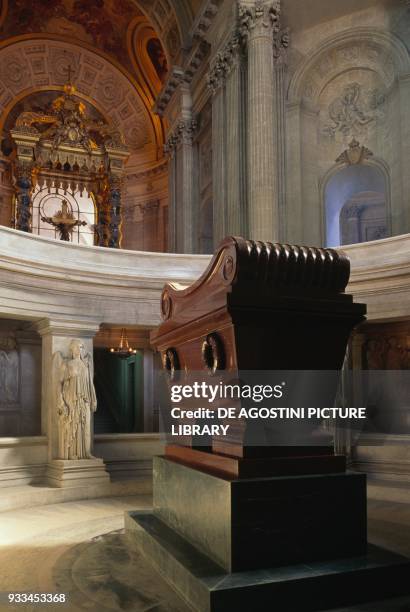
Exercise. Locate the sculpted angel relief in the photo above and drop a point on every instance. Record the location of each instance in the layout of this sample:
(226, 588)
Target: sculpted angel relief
(75, 401)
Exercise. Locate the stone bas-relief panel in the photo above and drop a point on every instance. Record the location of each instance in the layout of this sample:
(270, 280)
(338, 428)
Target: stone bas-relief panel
(20, 380)
(354, 109)
(352, 105)
(9, 372)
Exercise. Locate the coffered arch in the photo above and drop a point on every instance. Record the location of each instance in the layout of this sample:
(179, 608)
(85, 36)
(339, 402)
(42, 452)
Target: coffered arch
(32, 65)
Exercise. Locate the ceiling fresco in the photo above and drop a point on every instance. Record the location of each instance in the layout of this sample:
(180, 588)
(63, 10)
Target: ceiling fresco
(100, 23)
(141, 38)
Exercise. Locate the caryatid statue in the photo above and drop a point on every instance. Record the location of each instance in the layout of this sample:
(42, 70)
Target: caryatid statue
(75, 401)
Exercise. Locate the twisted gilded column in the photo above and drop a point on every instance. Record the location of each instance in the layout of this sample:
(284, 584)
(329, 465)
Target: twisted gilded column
(259, 23)
(23, 197)
(114, 200)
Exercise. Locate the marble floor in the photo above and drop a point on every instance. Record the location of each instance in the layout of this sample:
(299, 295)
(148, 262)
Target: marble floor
(79, 548)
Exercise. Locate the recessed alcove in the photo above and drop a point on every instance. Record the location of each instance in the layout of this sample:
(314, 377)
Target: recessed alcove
(20, 379)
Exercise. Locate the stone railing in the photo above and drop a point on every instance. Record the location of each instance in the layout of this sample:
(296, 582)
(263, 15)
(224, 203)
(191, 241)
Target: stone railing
(42, 278)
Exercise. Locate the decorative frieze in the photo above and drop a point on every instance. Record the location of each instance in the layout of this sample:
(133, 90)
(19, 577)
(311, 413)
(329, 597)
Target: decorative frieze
(149, 173)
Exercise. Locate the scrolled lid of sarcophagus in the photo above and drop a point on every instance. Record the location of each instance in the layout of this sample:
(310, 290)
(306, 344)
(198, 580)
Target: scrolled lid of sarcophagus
(257, 274)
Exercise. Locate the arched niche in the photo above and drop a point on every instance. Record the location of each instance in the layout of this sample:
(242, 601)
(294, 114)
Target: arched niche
(148, 56)
(350, 86)
(356, 204)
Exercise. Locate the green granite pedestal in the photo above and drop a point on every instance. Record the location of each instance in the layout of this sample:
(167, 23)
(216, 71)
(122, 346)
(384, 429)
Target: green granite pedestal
(282, 543)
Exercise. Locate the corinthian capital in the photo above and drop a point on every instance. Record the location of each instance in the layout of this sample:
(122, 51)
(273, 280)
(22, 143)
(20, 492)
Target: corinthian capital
(183, 133)
(259, 15)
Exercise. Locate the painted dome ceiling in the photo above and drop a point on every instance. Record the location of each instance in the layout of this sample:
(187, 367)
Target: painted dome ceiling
(106, 25)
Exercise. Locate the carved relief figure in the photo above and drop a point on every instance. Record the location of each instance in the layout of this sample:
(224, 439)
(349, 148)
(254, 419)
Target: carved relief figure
(354, 109)
(75, 402)
(9, 371)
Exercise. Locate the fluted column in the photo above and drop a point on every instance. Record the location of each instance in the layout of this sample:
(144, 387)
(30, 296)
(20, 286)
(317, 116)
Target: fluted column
(259, 23)
(172, 204)
(187, 197)
(227, 81)
(182, 206)
(236, 149)
(280, 44)
(218, 166)
(23, 197)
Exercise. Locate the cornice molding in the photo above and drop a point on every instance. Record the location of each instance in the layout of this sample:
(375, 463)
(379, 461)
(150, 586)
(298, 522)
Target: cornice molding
(176, 76)
(148, 172)
(197, 51)
(223, 62)
(204, 19)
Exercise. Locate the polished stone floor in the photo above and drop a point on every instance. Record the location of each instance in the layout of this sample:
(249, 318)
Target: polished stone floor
(79, 548)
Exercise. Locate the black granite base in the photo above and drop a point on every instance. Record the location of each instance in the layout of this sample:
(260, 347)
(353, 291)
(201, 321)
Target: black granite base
(305, 587)
(253, 523)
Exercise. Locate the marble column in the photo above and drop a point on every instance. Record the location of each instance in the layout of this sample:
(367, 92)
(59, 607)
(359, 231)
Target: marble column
(186, 194)
(183, 202)
(218, 166)
(281, 42)
(236, 197)
(172, 233)
(23, 197)
(57, 334)
(259, 23)
(227, 81)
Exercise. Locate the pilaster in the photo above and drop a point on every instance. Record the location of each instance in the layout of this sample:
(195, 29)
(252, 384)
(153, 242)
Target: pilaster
(227, 82)
(57, 334)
